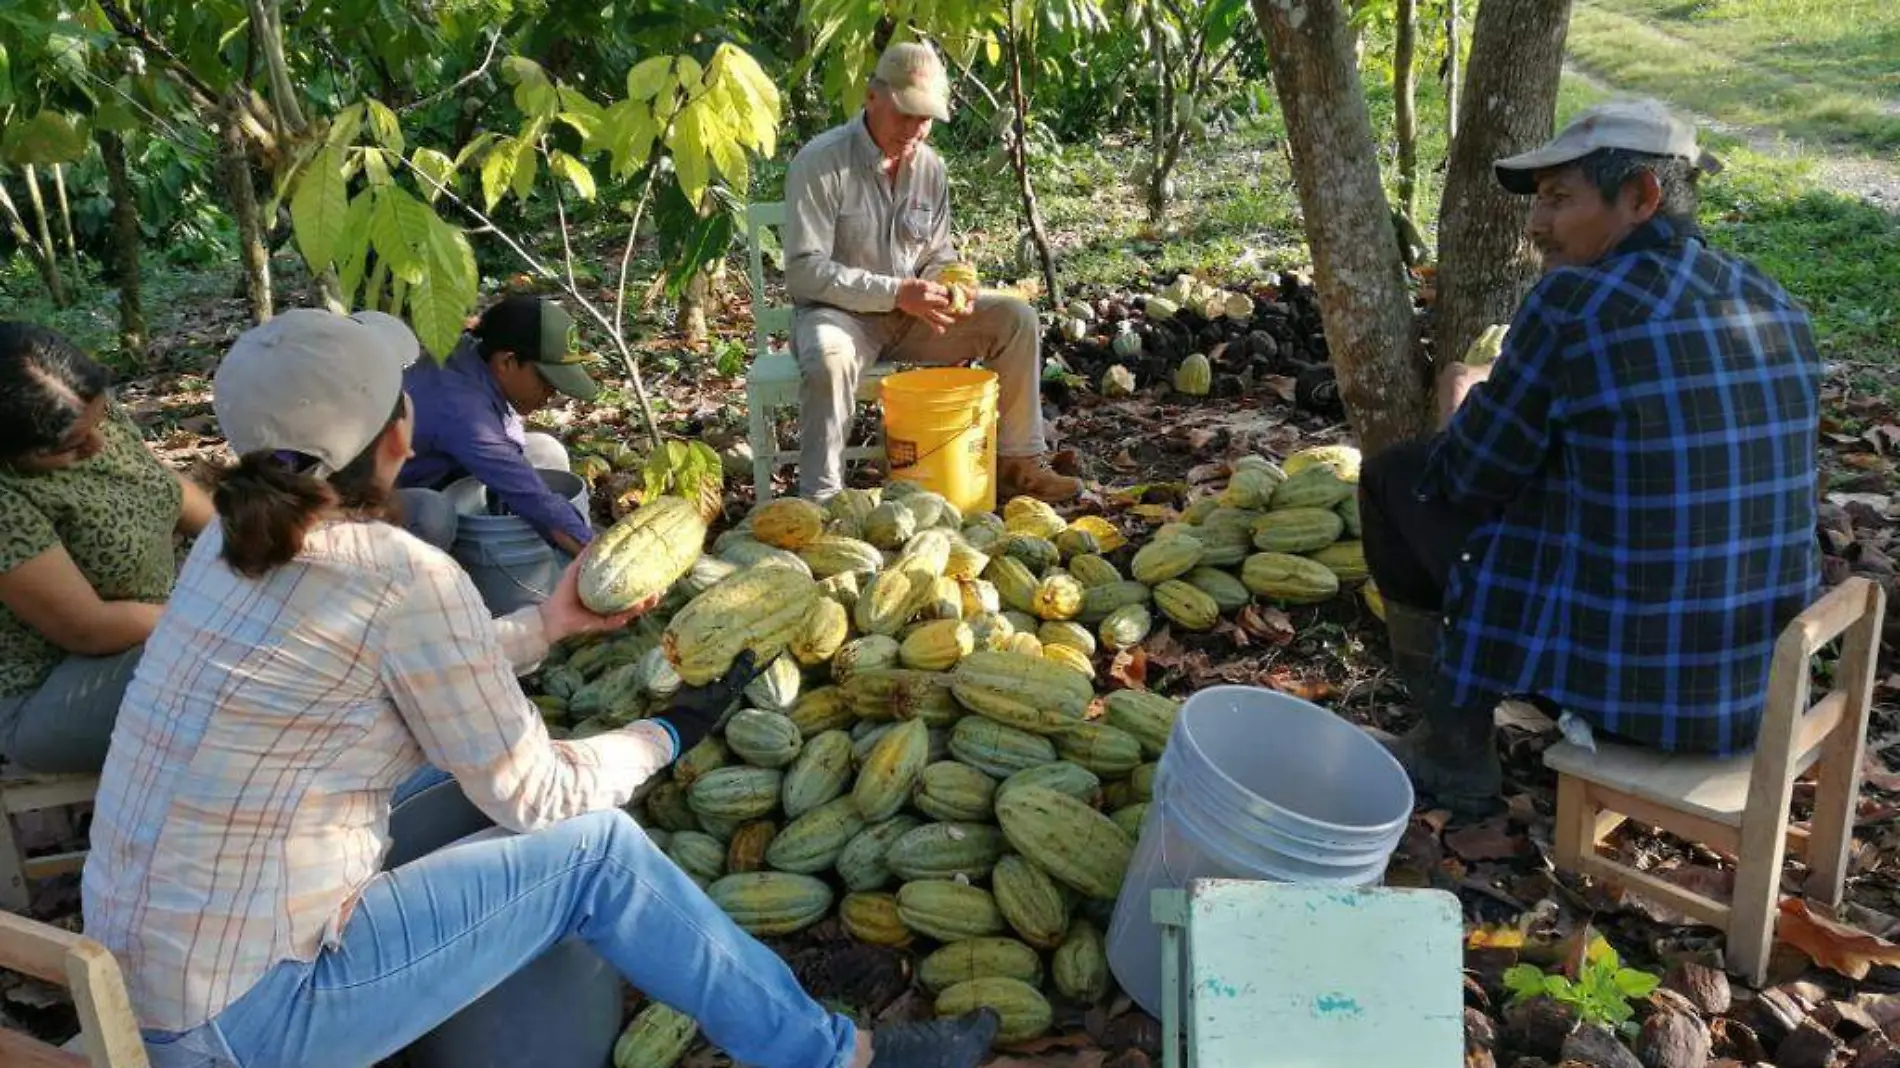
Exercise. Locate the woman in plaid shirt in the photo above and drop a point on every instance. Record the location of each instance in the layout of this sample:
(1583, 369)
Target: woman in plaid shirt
(313, 658)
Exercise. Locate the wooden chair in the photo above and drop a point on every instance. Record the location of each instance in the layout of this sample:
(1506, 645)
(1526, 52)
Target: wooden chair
(108, 1032)
(1264, 973)
(1739, 805)
(773, 380)
(21, 793)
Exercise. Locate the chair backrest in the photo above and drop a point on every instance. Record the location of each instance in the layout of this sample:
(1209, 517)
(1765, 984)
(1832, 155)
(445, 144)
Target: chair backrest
(108, 1028)
(1794, 727)
(767, 319)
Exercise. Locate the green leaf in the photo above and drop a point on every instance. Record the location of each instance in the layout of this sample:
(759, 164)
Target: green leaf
(438, 167)
(475, 147)
(347, 124)
(709, 460)
(627, 132)
(1635, 984)
(353, 250)
(534, 96)
(376, 166)
(526, 163)
(498, 171)
(1523, 981)
(319, 210)
(6, 77)
(690, 164)
(648, 77)
(48, 138)
(384, 126)
(573, 172)
(446, 291)
(399, 231)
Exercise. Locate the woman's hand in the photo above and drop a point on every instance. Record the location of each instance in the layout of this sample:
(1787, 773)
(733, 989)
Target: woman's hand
(564, 615)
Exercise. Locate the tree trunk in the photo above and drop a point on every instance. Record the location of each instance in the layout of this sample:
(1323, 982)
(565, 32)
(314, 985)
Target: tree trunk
(1404, 103)
(1486, 259)
(66, 218)
(43, 239)
(691, 322)
(252, 250)
(1454, 67)
(1364, 304)
(125, 245)
(49, 269)
(1019, 156)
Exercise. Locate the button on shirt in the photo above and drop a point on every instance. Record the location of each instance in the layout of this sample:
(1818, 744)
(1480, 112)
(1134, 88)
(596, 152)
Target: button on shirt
(1646, 441)
(851, 234)
(244, 804)
(464, 425)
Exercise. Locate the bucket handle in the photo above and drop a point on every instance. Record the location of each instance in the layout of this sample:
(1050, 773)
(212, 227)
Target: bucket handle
(976, 423)
(484, 559)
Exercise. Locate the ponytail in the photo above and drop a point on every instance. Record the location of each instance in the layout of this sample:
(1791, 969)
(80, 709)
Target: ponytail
(269, 502)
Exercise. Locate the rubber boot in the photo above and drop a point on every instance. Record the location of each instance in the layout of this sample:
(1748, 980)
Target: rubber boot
(963, 1042)
(1451, 756)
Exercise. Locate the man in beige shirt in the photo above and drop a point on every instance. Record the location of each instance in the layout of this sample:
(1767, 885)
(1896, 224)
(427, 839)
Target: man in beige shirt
(867, 233)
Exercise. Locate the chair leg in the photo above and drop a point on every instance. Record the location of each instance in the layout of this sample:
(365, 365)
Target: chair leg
(764, 446)
(1836, 796)
(1576, 823)
(15, 894)
(1755, 906)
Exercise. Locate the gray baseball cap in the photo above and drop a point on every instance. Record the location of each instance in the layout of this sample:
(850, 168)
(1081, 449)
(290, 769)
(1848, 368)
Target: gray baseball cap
(313, 382)
(1633, 125)
(917, 81)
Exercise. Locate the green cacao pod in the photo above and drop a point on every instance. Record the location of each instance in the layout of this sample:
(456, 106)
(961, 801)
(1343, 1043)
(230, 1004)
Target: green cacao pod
(853, 504)
(1037, 554)
(1062, 776)
(1107, 751)
(996, 750)
(1197, 510)
(1228, 592)
(1348, 510)
(758, 609)
(738, 793)
(1024, 1012)
(979, 958)
(1147, 717)
(872, 918)
(751, 554)
(1290, 579)
(708, 754)
(902, 693)
(812, 842)
(1014, 582)
(888, 601)
(1126, 626)
(872, 652)
(1159, 561)
(820, 774)
(948, 911)
(1318, 486)
(1030, 902)
(984, 531)
(1063, 632)
(1025, 692)
(1074, 843)
(1250, 487)
(1129, 818)
(764, 739)
(1346, 559)
(1099, 601)
(657, 1037)
(698, 854)
(1224, 544)
(668, 808)
(861, 865)
(1186, 606)
(746, 851)
(955, 793)
(1297, 530)
(1080, 964)
(642, 555)
(1141, 781)
(1093, 570)
(1057, 597)
(821, 709)
(889, 525)
(946, 851)
(789, 523)
(829, 555)
(1195, 376)
(1075, 542)
(769, 903)
(891, 770)
(936, 646)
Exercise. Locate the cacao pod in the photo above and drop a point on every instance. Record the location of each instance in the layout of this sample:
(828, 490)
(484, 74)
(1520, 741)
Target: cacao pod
(821, 633)
(829, 555)
(758, 609)
(946, 851)
(764, 739)
(890, 770)
(948, 911)
(1186, 606)
(1014, 582)
(873, 652)
(996, 750)
(955, 793)
(1147, 717)
(1030, 902)
(698, 855)
(812, 842)
(902, 693)
(1107, 751)
(1126, 627)
(1025, 692)
(1080, 964)
(1069, 657)
(1024, 1012)
(776, 688)
(861, 866)
(1228, 592)
(1290, 579)
(1092, 570)
(937, 646)
(1343, 459)
(1071, 841)
(738, 793)
(1195, 376)
(1057, 597)
(1297, 530)
(819, 710)
(1346, 559)
(872, 918)
(657, 1037)
(1062, 632)
(642, 555)
(746, 851)
(1027, 515)
(889, 525)
(819, 775)
(979, 958)
(768, 903)
(1099, 601)
(1318, 486)
(1159, 561)
(788, 523)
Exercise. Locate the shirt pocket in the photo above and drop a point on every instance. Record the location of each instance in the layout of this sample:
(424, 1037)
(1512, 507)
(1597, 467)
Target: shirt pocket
(854, 239)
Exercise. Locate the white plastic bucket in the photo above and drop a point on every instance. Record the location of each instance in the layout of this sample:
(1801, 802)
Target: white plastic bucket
(510, 563)
(1256, 785)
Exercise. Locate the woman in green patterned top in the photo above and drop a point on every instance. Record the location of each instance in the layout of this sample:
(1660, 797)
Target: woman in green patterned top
(87, 516)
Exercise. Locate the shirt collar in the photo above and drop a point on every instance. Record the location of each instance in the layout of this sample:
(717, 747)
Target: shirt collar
(1658, 233)
(864, 147)
(466, 360)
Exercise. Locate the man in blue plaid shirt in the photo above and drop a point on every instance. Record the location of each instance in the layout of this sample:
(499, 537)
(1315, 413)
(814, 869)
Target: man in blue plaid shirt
(1617, 518)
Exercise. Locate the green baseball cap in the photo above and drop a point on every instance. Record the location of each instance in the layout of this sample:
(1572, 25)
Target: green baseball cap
(540, 332)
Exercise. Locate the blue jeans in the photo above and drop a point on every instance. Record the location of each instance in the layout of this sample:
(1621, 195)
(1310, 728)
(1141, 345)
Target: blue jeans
(435, 934)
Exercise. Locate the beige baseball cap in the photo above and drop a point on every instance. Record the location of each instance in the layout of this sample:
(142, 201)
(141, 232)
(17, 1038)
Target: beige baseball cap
(918, 83)
(1643, 125)
(314, 383)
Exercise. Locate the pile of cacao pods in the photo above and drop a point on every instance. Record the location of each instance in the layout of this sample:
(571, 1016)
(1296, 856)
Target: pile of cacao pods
(926, 755)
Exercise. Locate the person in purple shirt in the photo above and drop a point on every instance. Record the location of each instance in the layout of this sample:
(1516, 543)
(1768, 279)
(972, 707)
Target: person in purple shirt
(468, 421)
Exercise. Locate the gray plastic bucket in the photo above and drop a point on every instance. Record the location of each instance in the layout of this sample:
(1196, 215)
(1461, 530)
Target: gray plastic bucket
(560, 1011)
(511, 565)
(1255, 785)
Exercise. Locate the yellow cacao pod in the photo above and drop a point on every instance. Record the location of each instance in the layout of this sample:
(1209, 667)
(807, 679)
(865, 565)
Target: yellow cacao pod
(1069, 657)
(1057, 597)
(1343, 459)
(1028, 693)
(760, 609)
(1346, 559)
(937, 646)
(788, 523)
(872, 918)
(1027, 515)
(822, 633)
(642, 555)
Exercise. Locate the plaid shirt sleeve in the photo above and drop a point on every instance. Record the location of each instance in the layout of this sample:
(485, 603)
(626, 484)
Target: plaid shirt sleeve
(1500, 439)
(450, 669)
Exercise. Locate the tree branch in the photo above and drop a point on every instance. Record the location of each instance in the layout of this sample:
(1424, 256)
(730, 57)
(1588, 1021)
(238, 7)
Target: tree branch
(494, 42)
(128, 27)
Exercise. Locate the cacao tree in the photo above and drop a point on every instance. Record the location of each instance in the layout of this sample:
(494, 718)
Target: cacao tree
(1192, 42)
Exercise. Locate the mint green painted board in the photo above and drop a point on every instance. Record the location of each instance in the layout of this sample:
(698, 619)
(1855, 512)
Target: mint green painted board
(1288, 976)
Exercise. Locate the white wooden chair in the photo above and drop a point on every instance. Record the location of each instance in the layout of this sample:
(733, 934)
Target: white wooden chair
(1278, 974)
(108, 1031)
(21, 793)
(1739, 805)
(773, 380)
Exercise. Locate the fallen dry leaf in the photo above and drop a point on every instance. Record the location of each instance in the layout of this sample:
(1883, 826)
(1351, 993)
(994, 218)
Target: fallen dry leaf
(1282, 385)
(1835, 946)
(1304, 687)
(1267, 624)
(1876, 775)
(1130, 668)
(1490, 840)
(1495, 936)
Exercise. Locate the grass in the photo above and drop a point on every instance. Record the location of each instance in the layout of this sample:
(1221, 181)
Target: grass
(1806, 71)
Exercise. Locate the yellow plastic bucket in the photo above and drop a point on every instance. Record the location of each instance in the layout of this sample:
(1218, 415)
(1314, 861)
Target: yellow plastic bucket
(940, 432)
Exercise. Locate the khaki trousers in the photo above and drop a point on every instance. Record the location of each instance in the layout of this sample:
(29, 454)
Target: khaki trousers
(833, 347)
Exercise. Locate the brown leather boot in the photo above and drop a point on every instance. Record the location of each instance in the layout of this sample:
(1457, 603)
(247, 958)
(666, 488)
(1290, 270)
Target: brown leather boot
(1029, 476)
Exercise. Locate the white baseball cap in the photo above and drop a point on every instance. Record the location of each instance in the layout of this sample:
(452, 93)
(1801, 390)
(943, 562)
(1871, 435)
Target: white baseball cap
(1644, 126)
(917, 81)
(313, 382)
